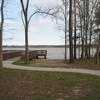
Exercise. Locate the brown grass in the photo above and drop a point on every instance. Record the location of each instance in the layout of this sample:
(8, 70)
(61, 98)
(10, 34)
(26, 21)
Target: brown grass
(80, 63)
(30, 85)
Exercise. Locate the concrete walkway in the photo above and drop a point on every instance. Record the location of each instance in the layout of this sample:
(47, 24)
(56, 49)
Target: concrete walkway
(8, 64)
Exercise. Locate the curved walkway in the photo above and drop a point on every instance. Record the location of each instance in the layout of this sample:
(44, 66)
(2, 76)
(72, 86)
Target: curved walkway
(8, 64)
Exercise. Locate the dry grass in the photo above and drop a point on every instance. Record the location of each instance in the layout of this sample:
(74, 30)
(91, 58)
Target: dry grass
(84, 64)
(31, 85)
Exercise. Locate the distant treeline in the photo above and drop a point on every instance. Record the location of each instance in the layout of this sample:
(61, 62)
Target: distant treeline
(39, 46)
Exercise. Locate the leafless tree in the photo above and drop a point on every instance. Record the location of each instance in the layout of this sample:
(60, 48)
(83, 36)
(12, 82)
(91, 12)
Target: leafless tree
(74, 29)
(63, 18)
(27, 18)
(70, 32)
(26, 21)
(86, 15)
(97, 31)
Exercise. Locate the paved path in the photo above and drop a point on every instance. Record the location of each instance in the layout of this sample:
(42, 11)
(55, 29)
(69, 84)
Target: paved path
(8, 64)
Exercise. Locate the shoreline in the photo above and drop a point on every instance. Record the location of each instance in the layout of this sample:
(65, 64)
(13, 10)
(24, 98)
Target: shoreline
(40, 46)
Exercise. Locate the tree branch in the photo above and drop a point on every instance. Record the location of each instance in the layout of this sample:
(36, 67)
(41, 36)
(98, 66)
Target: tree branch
(22, 19)
(27, 5)
(23, 8)
(32, 16)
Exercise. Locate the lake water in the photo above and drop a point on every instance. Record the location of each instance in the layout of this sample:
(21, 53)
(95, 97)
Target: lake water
(54, 52)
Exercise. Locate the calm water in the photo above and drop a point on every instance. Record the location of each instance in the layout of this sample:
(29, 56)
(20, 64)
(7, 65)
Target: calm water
(54, 52)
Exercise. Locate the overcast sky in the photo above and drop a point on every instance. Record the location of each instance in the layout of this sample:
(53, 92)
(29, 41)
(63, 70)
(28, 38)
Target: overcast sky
(41, 29)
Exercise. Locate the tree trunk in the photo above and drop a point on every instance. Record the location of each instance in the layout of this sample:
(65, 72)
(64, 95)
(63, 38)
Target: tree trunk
(85, 28)
(65, 32)
(90, 39)
(1, 32)
(1, 55)
(97, 55)
(82, 39)
(87, 21)
(70, 33)
(81, 35)
(26, 45)
(98, 51)
(74, 29)
(26, 24)
(26, 37)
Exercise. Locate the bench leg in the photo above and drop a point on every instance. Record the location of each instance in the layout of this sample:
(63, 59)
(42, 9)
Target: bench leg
(37, 57)
(44, 57)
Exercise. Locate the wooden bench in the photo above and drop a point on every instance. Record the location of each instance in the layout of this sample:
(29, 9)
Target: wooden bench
(40, 53)
(34, 54)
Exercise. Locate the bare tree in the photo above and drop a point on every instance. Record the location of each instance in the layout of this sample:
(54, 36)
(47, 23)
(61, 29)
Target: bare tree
(26, 22)
(97, 31)
(70, 32)
(27, 18)
(1, 31)
(65, 30)
(65, 4)
(62, 22)
(62, 10)
(86, 15)
(74, 29)
(98, 51)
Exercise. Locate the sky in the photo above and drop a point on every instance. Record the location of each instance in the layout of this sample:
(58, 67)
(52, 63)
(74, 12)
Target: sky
(42, 30)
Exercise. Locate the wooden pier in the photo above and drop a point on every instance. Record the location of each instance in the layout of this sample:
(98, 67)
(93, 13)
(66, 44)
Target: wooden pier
(11, 54)
(34, 54)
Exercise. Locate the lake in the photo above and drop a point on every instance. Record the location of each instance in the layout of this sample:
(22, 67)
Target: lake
(52, 52)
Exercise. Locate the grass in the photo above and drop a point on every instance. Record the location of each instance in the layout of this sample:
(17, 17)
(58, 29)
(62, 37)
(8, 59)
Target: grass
(20, 62)
(32, 85)
(83, 64)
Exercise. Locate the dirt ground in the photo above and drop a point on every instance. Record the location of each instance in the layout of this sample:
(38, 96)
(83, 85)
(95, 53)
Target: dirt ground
(48, 62)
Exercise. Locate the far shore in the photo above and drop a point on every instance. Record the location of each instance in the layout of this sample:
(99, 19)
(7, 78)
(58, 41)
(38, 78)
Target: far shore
(33, 46)
(39, 46)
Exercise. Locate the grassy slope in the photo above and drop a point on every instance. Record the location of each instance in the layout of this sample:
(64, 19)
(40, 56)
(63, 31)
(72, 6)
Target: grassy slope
(31, 85)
